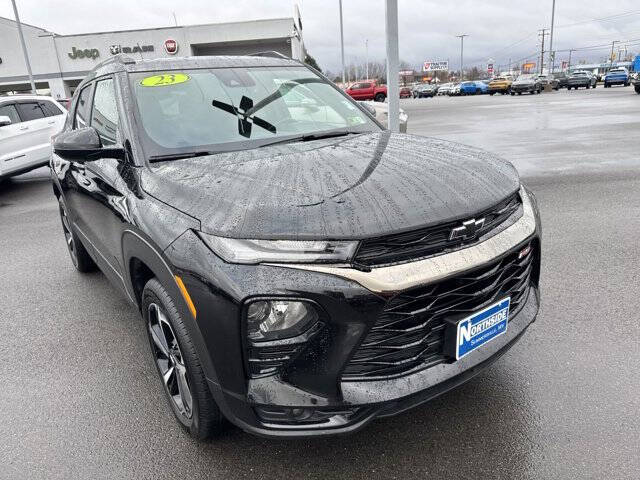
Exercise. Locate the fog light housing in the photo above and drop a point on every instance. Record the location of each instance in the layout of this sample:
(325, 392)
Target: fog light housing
(269, 320)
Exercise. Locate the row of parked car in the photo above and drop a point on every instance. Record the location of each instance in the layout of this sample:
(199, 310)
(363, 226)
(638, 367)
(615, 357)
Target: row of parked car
(525, 83)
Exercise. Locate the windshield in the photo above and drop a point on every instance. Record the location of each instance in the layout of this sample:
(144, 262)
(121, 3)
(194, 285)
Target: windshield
(617, 70)
(580, 74)
(238, 108)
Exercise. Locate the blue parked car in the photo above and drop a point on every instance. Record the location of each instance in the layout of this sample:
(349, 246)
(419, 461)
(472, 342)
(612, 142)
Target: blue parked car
(483, 86)
(617, 76)
(473, 88)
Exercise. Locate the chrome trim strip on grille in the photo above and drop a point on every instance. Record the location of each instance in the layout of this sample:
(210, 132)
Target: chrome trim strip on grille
(394, 278)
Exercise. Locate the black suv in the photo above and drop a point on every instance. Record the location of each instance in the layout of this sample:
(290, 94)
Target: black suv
(300, 270)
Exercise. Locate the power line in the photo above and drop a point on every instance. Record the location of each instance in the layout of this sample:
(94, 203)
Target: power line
(602, 19)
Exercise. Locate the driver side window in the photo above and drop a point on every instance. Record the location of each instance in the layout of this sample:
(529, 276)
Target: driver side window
(83, 106)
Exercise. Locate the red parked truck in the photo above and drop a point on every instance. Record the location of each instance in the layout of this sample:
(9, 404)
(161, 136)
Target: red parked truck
(367, 91)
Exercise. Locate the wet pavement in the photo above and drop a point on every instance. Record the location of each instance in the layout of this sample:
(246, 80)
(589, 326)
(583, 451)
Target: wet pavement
(80, 397)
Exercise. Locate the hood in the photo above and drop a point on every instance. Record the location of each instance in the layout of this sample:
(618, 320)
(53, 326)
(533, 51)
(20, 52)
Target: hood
(524, 81)
(340, 188)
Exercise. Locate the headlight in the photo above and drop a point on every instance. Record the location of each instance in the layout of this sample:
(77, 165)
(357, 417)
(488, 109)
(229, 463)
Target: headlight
(257, 251)
(278, 319)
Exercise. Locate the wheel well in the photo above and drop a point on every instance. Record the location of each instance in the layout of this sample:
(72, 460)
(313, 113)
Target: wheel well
(140, 275)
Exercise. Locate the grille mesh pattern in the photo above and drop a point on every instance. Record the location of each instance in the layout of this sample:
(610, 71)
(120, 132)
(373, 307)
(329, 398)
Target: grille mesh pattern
(409, 334)
(431, 240)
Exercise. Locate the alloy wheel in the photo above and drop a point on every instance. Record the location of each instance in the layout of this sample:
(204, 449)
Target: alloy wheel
(169, 360)
(68, 235)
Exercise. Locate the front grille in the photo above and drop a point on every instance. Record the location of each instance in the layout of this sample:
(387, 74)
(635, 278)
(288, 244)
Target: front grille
(427, 241)
(409, 333)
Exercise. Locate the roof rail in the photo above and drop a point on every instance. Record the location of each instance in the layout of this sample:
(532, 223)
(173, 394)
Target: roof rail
(270, 53)
(118, 58)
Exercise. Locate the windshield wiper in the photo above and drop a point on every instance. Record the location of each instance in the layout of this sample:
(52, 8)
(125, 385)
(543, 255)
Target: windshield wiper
(312, 136)
(179, 156)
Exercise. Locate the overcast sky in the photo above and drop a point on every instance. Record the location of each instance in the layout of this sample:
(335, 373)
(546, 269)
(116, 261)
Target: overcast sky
(427, 28)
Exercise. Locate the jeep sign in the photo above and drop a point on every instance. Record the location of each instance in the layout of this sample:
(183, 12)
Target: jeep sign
(92, 53)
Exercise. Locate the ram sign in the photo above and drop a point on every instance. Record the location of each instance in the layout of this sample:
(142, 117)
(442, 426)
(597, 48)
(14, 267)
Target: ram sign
(435, 66)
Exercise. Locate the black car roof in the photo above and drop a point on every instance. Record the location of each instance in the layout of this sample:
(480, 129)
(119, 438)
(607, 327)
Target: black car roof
(126, 63)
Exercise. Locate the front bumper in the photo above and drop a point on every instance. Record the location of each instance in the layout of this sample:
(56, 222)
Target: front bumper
(371, 400)
(351, 302)
(523, 88)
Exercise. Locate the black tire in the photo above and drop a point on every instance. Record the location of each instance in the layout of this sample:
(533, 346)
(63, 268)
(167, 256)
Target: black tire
(380, 97)
(638, 90)
(627, 84)
(606, 85)
(492, 94)
(588, 86)
(80, 258)
(203, 419)
(594, 85)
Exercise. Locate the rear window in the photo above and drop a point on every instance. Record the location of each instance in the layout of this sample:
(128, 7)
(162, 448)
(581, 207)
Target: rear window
(50, 109)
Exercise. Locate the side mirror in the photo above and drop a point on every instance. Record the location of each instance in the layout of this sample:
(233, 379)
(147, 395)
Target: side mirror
(83, 145)
(4, 121)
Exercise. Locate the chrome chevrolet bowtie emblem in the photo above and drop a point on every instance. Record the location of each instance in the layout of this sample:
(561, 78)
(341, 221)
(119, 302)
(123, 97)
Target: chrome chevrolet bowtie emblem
(468, 230)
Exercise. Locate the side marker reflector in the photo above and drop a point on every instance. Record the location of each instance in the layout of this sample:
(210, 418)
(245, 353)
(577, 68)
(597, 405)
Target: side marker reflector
(185, 295)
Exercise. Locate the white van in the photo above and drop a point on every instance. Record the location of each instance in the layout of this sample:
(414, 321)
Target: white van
(27, 123)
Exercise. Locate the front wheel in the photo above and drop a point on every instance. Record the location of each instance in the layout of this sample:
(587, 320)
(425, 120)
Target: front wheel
(79, 255)
(379, 97)
(178, 366)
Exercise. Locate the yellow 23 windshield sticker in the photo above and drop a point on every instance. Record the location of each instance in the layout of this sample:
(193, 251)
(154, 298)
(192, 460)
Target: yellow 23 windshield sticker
(164, 79)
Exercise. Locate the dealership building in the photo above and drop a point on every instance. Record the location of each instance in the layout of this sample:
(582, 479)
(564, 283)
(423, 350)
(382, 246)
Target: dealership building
(60, 62)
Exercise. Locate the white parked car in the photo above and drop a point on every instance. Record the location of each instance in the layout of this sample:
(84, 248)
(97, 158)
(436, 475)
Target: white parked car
(27, 123)
(381, 112)
(445, 88)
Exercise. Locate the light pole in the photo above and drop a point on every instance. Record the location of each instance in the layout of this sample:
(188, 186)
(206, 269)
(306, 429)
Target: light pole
(24, 47)
(551, 54)
(366, 56)
(461, 37)
(393, 61)
(342, 44)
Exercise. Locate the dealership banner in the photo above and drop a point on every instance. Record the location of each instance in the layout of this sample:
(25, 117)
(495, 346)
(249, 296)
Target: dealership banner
(435, 66)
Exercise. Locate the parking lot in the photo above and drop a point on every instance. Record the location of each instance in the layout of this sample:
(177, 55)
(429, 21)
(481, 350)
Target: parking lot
(81, 399)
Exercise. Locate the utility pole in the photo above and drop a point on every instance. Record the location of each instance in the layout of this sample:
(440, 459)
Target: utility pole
(366, 56)
(543, 33)
(461, 37)
(613, 44)
(24, 47)
(552, 56)
(393, 63)
(342, 45)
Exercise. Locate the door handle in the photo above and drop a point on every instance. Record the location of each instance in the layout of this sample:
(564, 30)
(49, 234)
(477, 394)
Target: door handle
(51, 122)
(24, 128)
